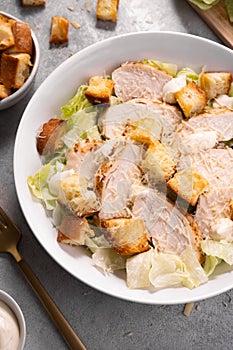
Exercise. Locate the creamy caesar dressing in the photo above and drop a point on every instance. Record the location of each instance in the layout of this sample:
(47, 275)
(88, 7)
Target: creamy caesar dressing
(9, 329)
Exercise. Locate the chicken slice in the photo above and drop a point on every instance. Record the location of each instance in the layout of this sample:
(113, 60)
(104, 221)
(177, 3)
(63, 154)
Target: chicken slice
(214, 214)
(215, 165)
(170, 230)
(218, 120)
(114, 181)
(136, 79)
(73, 230)
(158, 119)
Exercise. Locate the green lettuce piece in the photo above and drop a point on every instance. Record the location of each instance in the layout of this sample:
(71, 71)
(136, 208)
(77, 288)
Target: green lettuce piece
(205, 4)
(168, 270)
(39, 185)
(229, 7)
(170, 68)
(196, 273)
(189, 73)
(163, 270)
(211, 262)
(80, 124)
(137, 270)
(78, 102)
(37, 182)
(220, 249)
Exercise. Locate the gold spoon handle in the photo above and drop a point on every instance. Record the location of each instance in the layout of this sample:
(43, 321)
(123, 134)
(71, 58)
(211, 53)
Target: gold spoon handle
(63, 326)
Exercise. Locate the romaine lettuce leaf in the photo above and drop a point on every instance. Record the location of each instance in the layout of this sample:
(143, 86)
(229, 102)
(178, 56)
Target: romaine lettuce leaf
(170, 68)
(39, 184)
(162, 270)
(204, 4)
(220, 249)
(210, 264)
(76, 103)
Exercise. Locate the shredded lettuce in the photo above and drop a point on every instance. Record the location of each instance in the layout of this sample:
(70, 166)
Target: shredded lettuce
(211, 262)
(220, 249)
(163, 270)
(81, 124)
(229, 7)
(39, 184)
(76, 103)
(204, 4)
(170, 68)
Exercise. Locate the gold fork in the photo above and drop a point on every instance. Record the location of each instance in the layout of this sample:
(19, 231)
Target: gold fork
(9, 238)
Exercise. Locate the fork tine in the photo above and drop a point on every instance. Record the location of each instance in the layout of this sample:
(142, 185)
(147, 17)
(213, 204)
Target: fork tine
(6, 218)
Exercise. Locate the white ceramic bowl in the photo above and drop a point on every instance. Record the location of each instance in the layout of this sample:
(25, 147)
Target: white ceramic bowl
(12, 304)
(20, 93)
(61, 85)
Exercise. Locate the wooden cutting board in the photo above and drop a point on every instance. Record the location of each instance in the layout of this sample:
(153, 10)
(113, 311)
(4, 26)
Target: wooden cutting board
(218, 21)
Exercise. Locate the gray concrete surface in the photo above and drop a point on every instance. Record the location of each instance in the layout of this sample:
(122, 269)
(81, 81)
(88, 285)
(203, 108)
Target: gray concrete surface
(103, 322)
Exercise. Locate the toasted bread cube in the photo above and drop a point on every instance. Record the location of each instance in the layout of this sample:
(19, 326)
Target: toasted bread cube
(126, 236)
(231, 208)
(216, 83)
(192, 99)
(99, 90)
(158, 163)
(22, 38)
(188, 184)
(73, 230)
(15, 69)
(33, 3)
(4, 92)
(59, 32)
(106, 10)
(48, 139)
(6, 34)
(76, 197)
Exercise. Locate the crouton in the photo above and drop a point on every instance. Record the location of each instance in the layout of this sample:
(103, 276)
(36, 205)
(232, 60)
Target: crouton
(6, 34)
(106, 10)
(33, 3)
(4, 92)
(231, 208)
(75, 195)
(126, 236)
(188, 184)
(191, 99)
(99, 90)
(145, 131)
(73, 230)
(15, 69)
(22, 38)
(48, 138)
(216, 83)
(59, 31)
(158, 163)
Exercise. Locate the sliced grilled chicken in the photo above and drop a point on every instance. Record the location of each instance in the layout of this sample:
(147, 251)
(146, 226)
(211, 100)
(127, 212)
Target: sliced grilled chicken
(215, 165)
(48, 138)
(114, 181)
(218, 120)
(73, 230)
(157, 118)
(169, 229)
(214, 213)
(136, 79)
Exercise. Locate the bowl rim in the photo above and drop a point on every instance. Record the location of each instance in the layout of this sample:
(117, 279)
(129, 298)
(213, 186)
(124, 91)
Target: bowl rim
(17, 311)
(17, 95)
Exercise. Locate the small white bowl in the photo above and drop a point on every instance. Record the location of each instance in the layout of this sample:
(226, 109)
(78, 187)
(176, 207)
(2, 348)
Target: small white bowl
(12, 304)
(20, 93)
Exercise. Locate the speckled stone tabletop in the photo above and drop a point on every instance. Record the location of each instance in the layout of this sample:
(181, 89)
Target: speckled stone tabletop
(102, 322)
